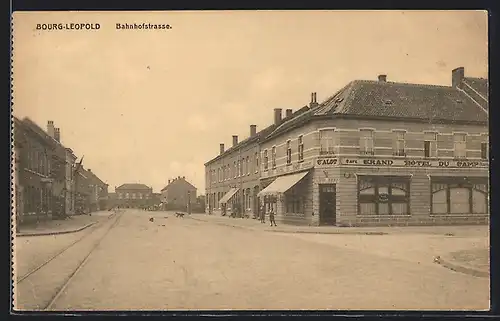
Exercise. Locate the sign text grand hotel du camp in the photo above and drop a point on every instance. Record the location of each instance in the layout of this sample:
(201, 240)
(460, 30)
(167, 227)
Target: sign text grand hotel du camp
(376, 162)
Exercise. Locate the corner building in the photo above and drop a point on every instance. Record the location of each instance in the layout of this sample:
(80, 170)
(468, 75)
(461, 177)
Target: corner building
(383, 153)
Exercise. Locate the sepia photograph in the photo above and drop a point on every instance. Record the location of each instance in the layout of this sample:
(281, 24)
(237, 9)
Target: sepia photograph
(258, 160)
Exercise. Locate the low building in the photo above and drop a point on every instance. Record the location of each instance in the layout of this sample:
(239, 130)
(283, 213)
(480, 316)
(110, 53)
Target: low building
(178, 194)
(83, 191)
(134, 196)
(383, 153)
(98, 192)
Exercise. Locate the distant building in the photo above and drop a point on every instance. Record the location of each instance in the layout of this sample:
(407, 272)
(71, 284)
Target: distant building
(178, 193)
(134, 195)
(99, 192)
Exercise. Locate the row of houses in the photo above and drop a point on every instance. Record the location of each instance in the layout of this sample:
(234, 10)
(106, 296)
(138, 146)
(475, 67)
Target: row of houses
(49, 182)
(374, 153)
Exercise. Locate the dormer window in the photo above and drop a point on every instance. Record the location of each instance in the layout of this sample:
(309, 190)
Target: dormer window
(387, 102)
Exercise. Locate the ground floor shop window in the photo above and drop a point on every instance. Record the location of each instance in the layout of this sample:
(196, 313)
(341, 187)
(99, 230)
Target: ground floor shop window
(294, 203)
(459, 195)
(383, 195)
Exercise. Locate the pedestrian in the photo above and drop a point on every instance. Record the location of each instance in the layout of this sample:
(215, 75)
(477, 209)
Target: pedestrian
(271, 217)
(262, 214)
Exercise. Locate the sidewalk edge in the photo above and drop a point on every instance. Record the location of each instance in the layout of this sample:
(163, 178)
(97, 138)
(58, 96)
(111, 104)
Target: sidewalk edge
(55, 233)
(447, 263)
(294, 231)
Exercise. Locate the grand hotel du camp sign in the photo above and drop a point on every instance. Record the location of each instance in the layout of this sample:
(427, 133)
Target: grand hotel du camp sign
(364, 161)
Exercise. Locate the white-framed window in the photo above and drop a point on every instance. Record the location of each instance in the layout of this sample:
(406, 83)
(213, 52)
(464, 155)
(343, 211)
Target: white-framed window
(399, 143)
(301, 148)
(327, 141)
(430, 144)
(235, 169)
(273, 157)
(266, 160)
(366, 142)
(248, 165)
(133, 195)
(120, 196)
(288, 152)
(140, 196)
(127, 196)
(460, 145)
(256, 162)
(241, 162)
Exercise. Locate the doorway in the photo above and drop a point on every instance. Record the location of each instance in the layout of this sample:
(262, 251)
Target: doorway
(327, 204)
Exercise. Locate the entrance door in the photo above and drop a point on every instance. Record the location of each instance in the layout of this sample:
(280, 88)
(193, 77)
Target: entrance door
(327, 204)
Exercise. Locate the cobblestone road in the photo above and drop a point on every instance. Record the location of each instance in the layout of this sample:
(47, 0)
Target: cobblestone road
(174, 263)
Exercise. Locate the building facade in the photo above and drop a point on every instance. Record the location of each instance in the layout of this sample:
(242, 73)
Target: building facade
(383, 153)
(34, 178)
(70, 181)
(232, 178)
(98, 192)
(178, 194)
(134, 196)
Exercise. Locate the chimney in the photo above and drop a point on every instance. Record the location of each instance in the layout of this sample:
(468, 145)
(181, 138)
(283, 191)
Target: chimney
(169, 181)
(178, 177)
(235, 140)
(183, 177)
(289, 113)
(457, 76)
(253, 130)
(221, 148)
(50, 128)
(314, 102)
(57, 134)
(382, 78)
(88, 169)
(277, 116)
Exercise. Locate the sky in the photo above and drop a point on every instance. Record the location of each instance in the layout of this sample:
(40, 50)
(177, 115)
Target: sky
(145, 106)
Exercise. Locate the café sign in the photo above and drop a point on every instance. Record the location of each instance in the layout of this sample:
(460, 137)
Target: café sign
(387, 162)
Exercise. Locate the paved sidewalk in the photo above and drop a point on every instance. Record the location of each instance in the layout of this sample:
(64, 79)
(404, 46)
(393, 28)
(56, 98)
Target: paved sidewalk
(471, 261)
(254, 224)
(74, 223)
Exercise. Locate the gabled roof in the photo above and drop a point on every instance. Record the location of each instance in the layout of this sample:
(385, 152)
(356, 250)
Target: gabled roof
(381, 99)
(133, 186)
(176, 181)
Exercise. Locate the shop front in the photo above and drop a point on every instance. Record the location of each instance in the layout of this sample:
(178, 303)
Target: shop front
(410, 192)
(288, 197)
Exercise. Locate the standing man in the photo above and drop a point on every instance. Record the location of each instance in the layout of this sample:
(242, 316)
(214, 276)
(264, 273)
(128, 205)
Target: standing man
(271, 217)
(262, 213)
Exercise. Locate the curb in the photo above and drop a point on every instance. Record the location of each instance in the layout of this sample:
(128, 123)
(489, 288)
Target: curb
(294, 231)
(461, 268)
(55, 233)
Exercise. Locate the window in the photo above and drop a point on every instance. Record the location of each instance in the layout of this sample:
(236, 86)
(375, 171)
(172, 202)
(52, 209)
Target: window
(301, 148)
(430, 144)
(294, 203)
(274, 157)
(289, 152)
(460, 143)
(327, 142)
(127, 196)
(256, 162)
(366, 142)
(399, 143)
(484, 150)
(383, 195)
(119, 196)
(235, 169)
(248, 165)
(140, 196)
(459, 195)
(266, 160)
(241, 162)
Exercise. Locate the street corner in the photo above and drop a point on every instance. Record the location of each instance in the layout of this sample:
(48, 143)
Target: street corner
(475, 262)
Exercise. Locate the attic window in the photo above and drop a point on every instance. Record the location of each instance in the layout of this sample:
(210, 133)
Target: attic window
(387, 102)
(339, 100)
(460, 101)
